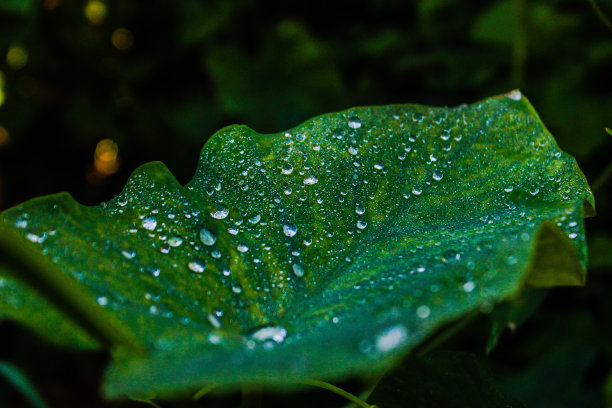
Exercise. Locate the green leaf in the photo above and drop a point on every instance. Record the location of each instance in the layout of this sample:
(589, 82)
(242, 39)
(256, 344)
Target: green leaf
(443, 379)
(17, 379)
(318, 253)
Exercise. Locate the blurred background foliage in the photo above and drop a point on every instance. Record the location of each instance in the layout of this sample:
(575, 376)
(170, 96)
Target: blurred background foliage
(89, 90)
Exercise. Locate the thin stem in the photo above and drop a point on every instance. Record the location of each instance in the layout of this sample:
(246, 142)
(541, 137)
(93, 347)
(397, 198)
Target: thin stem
(203, 391)
(601, 15)
(145, 401)
(339, 391)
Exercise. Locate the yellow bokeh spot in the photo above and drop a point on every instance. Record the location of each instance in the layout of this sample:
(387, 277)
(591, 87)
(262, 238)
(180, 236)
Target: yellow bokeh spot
(2, 95)
(96, 11)
(122, 39)
(106, 157)
(17, 57)
(4, 136)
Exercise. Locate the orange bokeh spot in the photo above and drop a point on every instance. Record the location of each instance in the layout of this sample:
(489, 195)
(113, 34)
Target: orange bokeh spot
(122, 39)
(106, 157)
(51, 4)
(4, 136)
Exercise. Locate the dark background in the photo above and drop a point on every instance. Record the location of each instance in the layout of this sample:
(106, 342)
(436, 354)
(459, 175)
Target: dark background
(158, 78)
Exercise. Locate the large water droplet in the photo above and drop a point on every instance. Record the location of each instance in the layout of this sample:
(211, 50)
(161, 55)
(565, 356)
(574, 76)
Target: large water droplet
(175, 241)
(287, 168)
(423, 311)
(391, 338)
(128, 254)
(149, 223)
(298, 271)
(220, 214)
(207, 237)
(311, 180)
(354, 122)
(289, 230)
(197, 265)
(267, 333)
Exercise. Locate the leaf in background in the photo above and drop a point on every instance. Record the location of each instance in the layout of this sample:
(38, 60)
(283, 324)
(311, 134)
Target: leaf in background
(317, 253)
(513, 313)
(443, 379)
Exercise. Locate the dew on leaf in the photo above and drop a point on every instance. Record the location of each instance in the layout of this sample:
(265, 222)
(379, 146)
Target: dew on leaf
(267, 333)
(102, 300)
(214, 321)
(197, 265)
(423, 311)
(242, 248)
(311, 180)
(287, 169)
(289, 230)
(149, 223)
(361, 224)
(298, 271)
(175, 241)
(391, 338)
(469, 286)
(128, 254)
(353, 150)
(220, 214)
(360, 209)
(354, 122)
(207, 237)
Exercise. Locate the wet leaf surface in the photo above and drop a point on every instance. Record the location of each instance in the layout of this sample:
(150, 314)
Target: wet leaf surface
(324, 251)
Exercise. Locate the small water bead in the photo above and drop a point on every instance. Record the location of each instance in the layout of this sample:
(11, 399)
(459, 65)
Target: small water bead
(378, 166)
(311, 180)
(360, 209)
(102, 300)
(197, 265)
(469, 286)
(267, 333)
(215, 253)
(423, 311)
(214, 321)
(236, 289)
(255, 219)
(573, 235)
(515, 95)
(354, 122)
(226, 272)
(534, 191)
(361, 224)
(300, 137)
(508, 189)
(289, 230)
(21, 223)
(287, 169)
(207, 237)
(220, 214)
(233, 231)
(391, 338)
(242, 248)
(437, 176)
(175, 241)
(36, 238)
(298, 270)
(128, 254)
(512, 260)
(451, 256)
(149, 223)
(416, 191)
(353, 150)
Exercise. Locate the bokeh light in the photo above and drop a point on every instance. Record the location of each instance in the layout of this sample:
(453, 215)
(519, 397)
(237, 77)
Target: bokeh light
(106, 157)
(51, 4)
(4, 137)
(16, 57)
(2, 94)
(96, 11)
(122, 39)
